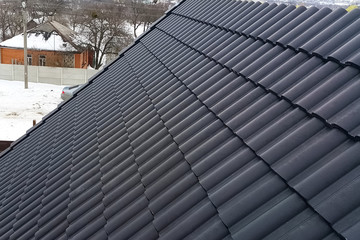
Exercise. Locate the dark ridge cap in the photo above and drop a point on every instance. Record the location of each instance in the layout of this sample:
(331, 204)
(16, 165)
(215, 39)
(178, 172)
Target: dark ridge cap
(243, 141)
(90, 81)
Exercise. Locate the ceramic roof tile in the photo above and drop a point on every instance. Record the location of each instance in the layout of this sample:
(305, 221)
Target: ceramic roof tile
(331, 31)
(305, 25)
(222, 105)
(316, 28)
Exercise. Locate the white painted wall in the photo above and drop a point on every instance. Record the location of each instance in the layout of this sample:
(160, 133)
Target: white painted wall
(51, 75)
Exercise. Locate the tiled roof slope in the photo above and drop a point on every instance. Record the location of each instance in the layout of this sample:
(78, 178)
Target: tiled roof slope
(227, 120)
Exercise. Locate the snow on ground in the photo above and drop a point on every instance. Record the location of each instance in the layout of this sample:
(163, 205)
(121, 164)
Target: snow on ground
(20, 106)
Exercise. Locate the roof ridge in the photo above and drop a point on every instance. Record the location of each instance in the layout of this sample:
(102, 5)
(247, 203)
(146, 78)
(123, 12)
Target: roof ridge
(244, 142)
(328, 124)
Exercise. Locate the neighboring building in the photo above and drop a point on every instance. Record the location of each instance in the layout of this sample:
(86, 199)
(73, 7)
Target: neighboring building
(226, 120)
(49, 44)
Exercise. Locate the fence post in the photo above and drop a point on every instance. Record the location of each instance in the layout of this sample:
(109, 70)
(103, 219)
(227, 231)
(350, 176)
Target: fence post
(61, 76)
(12, 72)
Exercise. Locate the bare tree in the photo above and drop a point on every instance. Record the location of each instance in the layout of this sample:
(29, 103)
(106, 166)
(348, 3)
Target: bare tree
(134, 13)
(139, 13)
(45, 10)
(152, 12)
(10, 19)
(102, 28)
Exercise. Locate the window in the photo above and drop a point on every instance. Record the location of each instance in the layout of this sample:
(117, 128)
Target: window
(42, 60)
(29, 59)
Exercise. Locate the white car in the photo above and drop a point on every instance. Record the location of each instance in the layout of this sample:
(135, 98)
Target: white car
(68, 92)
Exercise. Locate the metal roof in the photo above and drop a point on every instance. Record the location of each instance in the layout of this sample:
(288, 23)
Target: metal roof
(227, 120)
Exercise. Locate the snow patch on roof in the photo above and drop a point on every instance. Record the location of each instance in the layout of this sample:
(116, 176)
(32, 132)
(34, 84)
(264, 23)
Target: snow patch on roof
(36, 41)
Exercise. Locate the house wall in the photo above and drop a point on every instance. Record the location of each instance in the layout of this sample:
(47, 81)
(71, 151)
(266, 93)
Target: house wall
(84, 59)
(53, 59)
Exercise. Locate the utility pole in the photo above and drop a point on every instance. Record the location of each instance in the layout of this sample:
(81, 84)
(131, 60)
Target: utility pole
(23, 2)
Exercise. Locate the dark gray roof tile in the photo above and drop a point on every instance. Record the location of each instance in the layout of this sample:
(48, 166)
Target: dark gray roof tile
(343, 38)
(293, 206)
(344, 53)
(329, 32)
(258, 63)
(316, 27)
(283, 123)
(354, 60)
(239, 14)
(218, 44)
(214, 10)
(292, 24)
(129, 222)
(225, 53)
(153, 168)
(183, 203)
(349, 118)
(307, 82)
(305, 25)
(304, 151)
(206, 146)
(262, 18)
(269, 25)
(212, 229)
(244, 58)
(336, 101)
(341, 210)
(199, 131)
(240, 118)
(237, 100)
(252, 17)
(299, 134)
(231, 10)
(208, 39)
(170, 186)
(281, 85)
(280, 21)
(272, 66)
(247, 199)
(320, 181)
(306, 225)
(315, 96)
(262, 118)
(273, 78)
(195, 218)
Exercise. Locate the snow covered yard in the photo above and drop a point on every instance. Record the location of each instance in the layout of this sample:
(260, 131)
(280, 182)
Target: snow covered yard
(19, 106)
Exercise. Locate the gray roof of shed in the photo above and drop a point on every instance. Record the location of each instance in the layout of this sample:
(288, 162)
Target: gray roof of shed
(227, 120)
